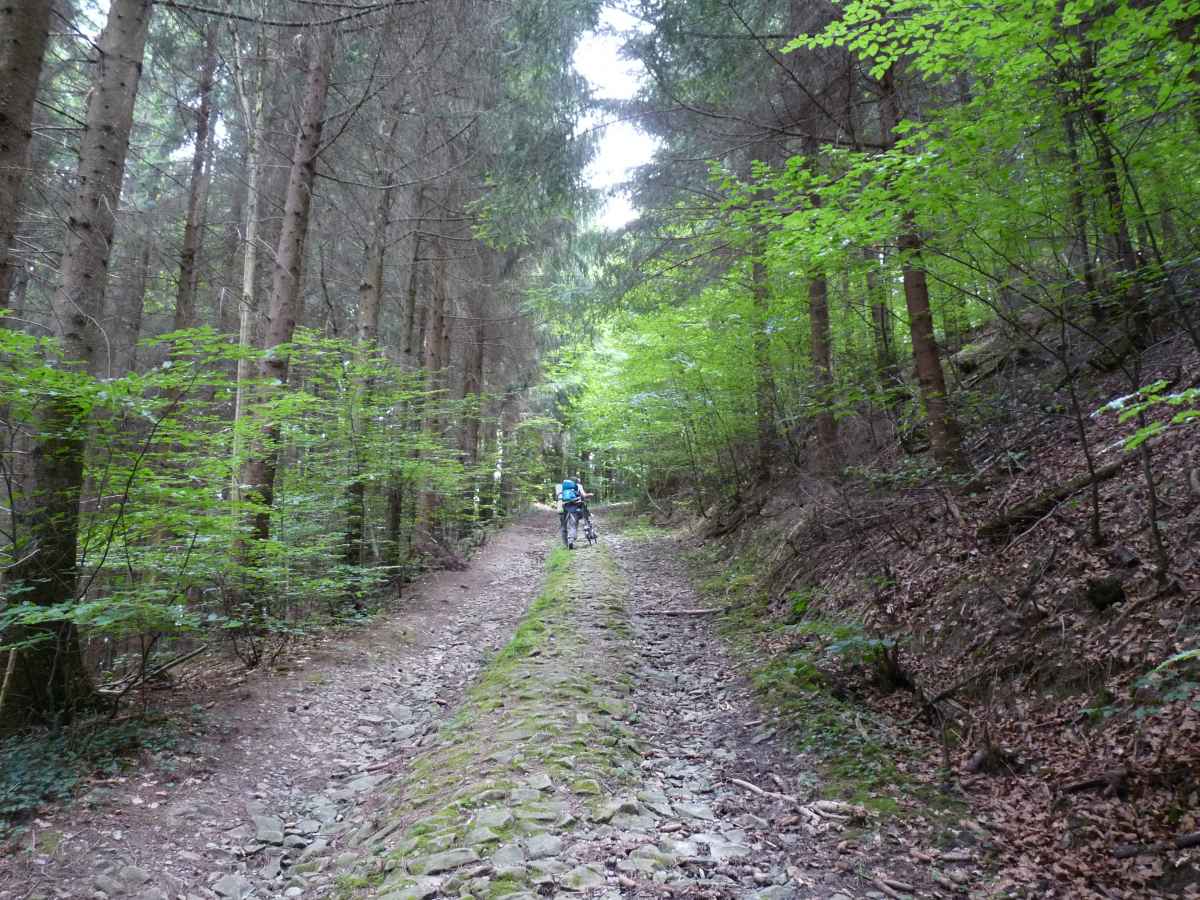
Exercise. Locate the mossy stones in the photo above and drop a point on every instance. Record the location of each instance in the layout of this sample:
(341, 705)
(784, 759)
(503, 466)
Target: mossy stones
(494, 817)
(421, 889)
(586, 787)
(445, 861)
(541, 846)
(583, 878)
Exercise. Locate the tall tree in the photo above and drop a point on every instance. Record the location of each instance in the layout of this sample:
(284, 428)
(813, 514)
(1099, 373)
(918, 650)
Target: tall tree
(24, 29)
(46, 677)
(284, 310)
(944, 434)
(185, 292)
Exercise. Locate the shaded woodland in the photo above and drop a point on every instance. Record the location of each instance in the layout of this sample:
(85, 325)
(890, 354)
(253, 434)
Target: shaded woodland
(908, 333)
(302, 300)
(265, 352)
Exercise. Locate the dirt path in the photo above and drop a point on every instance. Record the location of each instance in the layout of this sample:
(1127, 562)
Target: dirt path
(276, 771)
(608, 750)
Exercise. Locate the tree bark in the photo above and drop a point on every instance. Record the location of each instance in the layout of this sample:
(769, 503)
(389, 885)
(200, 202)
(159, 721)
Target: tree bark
(47, 679)
(24, 28)
(366, 334)
(250, 98)
(231, 242)
(822, 363)
(473, 392)
(283, 311)
(412, 348)
(882, 327)
(944, 434)
(370, 292)
(1079, 219)
(764, 373)
(185, 295)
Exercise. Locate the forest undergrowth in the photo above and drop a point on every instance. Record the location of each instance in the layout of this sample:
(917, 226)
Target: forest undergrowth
(1034, 681)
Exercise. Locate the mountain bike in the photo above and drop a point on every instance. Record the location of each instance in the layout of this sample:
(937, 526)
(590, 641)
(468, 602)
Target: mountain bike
(574, 515)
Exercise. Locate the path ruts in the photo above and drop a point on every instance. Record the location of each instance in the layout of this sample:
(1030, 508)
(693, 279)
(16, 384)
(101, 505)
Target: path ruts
(595, 758)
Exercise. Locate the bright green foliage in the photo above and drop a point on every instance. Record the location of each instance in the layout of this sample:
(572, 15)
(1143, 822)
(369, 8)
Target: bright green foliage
(1048, 159)
(1146, 399)
(160, 533)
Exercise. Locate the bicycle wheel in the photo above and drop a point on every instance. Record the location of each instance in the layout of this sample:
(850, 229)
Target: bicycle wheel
(589, 531)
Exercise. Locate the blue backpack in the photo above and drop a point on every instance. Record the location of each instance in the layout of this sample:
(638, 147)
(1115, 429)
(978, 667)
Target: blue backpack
(570, 491)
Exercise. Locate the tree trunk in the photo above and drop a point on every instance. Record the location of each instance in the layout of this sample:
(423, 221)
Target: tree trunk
(437, 348)
(250, 98)
(284, 310)
(764, 373)
(47, 680)
(185, 295)
(370, 292)
(944, 434)
(231, 241)
(1079, 219)
(24, 27)
(366, 334)
(882, 327)
(822, 363)
(473, 393)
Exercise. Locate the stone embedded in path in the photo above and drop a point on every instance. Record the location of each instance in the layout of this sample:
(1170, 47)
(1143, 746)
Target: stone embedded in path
(108, 885)
(583, 878)
(647, 859)
(133, 876)
(509, 855)
(545, 870)
(657, 802)
(541, 782)
(721, 847)
(622, 806)
(314, 849)
(547, 811)
(588, 787)
(777, 892)
(268, 829)
(481, 834)
(541, 846)
(491, 795)
(694, 811)
(422, 889)
(443, 862)
(235, 887)
(494, 817)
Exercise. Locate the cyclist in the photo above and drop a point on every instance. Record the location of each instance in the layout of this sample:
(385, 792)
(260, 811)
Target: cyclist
(573, 494)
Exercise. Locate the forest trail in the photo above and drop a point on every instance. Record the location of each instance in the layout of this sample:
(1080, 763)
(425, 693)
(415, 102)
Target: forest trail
(609, 750)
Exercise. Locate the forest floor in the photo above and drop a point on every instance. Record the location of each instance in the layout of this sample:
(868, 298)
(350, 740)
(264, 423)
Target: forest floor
(611, 748)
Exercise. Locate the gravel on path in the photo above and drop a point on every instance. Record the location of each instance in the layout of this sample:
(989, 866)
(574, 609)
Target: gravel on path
(610, 751)
(254, 801)
(512, 732)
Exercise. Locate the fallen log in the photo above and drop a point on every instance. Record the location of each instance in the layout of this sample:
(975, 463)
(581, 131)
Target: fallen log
(120, 688)
(1113, 783)
(1179, 842)
(1029, 511)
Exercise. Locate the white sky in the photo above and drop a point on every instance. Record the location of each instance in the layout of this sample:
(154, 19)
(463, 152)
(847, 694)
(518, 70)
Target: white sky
(621, 145)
